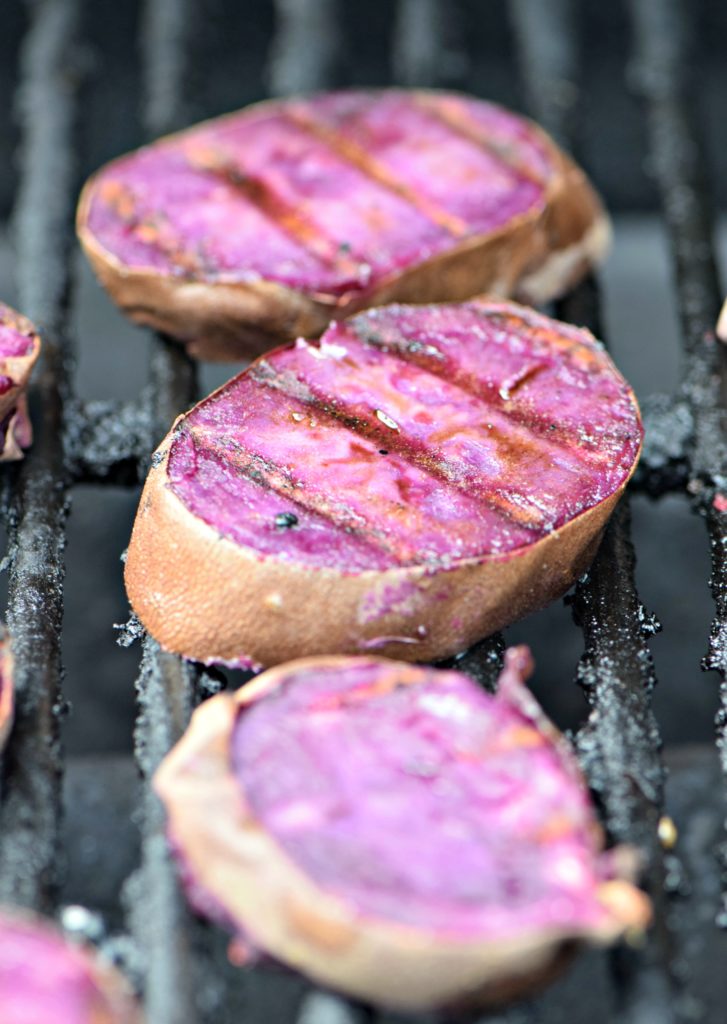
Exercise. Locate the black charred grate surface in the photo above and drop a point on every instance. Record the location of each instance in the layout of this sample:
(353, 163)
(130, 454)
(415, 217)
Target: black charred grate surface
(36, 502)
(179, 962)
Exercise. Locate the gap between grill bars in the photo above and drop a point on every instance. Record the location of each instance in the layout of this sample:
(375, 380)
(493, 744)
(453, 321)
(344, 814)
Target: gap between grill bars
(186, 981)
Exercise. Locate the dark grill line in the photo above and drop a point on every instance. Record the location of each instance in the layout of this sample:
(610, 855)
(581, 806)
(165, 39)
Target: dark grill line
(490, 396)
(352, 154)
(281, 481)
(279, 211)
(466, 130)
(329, 408)
(29, 816)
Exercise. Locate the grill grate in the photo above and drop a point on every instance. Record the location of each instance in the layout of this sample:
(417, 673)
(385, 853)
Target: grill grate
(619, 744)
(36, 504)
(183, 972)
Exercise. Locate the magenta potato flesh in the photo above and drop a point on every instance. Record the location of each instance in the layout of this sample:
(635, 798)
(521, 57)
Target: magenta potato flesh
(12, 341)
(418, 798)
(45, 980)
(19, 348)
(330, 195)
(394, 832)
(410, 435)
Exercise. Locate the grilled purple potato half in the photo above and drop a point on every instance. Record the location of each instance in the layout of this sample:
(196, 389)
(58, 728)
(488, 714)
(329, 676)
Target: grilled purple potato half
(417, 479)
(394, 832)
(255, 228)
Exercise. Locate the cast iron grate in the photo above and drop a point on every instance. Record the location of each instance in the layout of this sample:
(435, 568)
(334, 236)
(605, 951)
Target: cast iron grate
(177, 960)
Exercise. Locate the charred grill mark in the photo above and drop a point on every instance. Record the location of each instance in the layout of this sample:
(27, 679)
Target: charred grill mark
(461, 124)
(273, 477)
(514, 508)
(421, 356)
(269, 477)
(267, 201)
(353, 154)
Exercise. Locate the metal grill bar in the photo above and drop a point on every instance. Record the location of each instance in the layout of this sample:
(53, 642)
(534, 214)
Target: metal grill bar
(159, 917)
(418, 41)
(678, 161)
(483, 661)
(607, 604)
(327, 1008)
(305, 47)
(548, 62)
(29, 816)
(619, 748)
(620, 744)
(164, 38)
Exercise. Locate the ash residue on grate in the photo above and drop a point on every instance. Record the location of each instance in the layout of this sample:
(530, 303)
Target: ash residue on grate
(619, 745)
(668, 431)
(108, 441)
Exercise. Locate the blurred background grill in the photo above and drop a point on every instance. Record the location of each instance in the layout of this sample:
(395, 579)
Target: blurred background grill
(638, 91)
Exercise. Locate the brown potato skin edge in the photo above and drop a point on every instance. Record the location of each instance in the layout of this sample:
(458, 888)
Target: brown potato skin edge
(254, 885)
(271, 611)
(116, 1004)
(236, 320)
(7, 693)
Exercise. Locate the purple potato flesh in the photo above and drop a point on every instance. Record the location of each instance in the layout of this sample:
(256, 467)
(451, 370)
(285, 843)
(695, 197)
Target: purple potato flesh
(355, 817)
(19, 349)
(46, 980)
(247, 230)
(411, 435)
(420, 476)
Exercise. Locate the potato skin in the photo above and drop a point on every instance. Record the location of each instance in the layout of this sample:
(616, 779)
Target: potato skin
(535, 257)
(209, 599)
(18, 431)
(247, 880)
(270, 611)
(7, 695)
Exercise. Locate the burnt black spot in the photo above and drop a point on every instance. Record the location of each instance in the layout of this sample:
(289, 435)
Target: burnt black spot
(285, 521)
(383, 451)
